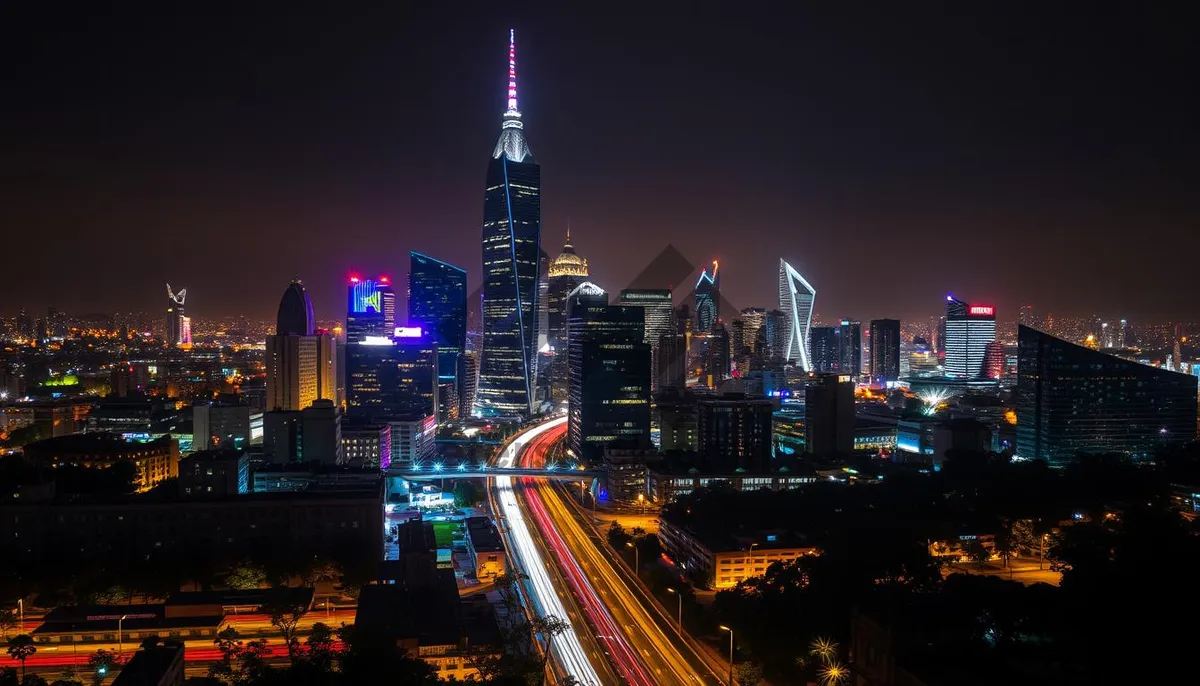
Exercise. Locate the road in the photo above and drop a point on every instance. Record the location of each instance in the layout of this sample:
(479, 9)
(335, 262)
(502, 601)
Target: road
(566, 648)
(199, 650)
(618, 608)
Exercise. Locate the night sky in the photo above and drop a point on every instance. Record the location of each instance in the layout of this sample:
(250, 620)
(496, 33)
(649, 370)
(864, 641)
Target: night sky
(1014, 154)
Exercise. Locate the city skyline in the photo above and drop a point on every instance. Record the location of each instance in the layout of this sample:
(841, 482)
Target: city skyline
(204, 172)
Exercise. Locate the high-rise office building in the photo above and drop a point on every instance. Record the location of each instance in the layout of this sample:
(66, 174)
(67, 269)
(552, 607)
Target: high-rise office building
(392, 378)
(295, 315)
(885, 351)
(564, 274)
(387, 302)
(56, 323)
(659, 316)
(364, 310)
(735, 432)
(321, 433)
(300, 367)
(850, 348)
(175, 315)
(708, 298)
(609, 379)
(717, 356)
(437, 304)
(829, 414)
(1073, 401)
(671, 363)
(796, 298)
(777, 325)
(753, 319)
(823, 343)
(512, 218)
(969, 329)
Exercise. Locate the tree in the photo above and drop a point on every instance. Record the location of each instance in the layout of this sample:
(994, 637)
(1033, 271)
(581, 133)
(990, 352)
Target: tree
(548, 626)
(246, 575)
(318, 647)
(8, 621)
(285, 616)
(1005, 543)
(228, 641)
(322, 569)
(465, 494)
(99, 663)
(617, 536)
(748, 674)
(254, 655)
(977, 553)
(21, 648)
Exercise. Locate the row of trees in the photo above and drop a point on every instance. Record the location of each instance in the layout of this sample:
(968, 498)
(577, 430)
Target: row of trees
(22, 647)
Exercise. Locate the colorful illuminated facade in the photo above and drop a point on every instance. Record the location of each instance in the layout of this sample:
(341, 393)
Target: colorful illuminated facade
(708, 298)
(512, 219)
(796, 298)
(174, 334)
(365, 314)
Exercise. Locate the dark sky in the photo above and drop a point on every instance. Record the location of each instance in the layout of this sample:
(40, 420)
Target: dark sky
(1020, 153)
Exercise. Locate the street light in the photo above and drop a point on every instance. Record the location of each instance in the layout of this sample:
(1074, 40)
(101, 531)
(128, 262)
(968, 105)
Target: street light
(120, 644)
(750, 563)
(21, 612)
(680, 597)
(637, 563)
(641, 503)
(725, 628)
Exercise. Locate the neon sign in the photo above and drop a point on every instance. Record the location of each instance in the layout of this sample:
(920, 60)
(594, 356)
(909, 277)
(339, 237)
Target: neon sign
(407, 332)
(365, 296)
(984, 310)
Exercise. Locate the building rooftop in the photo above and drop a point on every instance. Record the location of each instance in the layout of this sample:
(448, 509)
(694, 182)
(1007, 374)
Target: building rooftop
(428, 616)
(148, 665)
(91, 443)
(483, 535)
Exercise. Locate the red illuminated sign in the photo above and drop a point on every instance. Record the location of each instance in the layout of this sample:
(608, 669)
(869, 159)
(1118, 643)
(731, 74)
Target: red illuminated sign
(985, 310)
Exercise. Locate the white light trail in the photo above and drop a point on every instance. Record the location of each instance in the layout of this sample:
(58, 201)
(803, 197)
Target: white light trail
(567, 648)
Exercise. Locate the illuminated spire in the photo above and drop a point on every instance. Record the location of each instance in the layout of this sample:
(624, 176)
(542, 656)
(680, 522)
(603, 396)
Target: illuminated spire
(512, 71)
(512, 139)
(568, 233)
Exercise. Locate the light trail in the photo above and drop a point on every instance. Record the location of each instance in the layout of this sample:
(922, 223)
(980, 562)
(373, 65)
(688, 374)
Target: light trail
(566, 647)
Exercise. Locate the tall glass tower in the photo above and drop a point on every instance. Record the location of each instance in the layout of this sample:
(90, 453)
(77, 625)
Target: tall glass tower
(708, 298)
(512, 220)
(437, 302)
(796, 300)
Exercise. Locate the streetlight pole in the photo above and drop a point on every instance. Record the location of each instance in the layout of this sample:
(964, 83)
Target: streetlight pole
(679, 597)
(637, 559)
(725, 628)
(21, 612)
(750, 564)
(120, 636)
(1042, 553)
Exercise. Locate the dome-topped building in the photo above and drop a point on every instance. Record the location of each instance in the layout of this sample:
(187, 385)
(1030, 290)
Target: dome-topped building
(295, 316)
(568, 262)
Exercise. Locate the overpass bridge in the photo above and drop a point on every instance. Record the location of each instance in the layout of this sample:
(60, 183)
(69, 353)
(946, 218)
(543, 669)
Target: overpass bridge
(464, 471)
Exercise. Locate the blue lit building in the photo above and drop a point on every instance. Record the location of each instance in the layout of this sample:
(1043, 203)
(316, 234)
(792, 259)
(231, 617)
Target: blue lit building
(1074, 401)
(512, 219)
(365, 310)
(437, 303)
(708, 299)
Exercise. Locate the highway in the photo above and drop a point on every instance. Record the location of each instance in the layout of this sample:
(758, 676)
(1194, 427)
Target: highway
(566, 648)
(662, 655)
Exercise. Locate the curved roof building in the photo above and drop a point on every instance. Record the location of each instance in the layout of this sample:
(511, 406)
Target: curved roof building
(796, 298)
(295, 316)
(568, 262)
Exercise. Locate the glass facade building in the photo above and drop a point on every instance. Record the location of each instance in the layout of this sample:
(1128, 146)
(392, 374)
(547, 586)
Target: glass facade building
(850, 348)
(1074, 401)
(796, 298)
(659, 316)
(885, 351)
(823, 341)
(437, 303)
(708, 299)
(969, 330)
(512, 219)
(608, 381)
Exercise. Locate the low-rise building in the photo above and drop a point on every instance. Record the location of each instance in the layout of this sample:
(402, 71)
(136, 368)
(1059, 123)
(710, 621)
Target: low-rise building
(485, 548)
(157, 666)
(155, 460)
(214, 474)
(670, 479)
(724, 563)
(132, 526)
(626, 473)
(431, 623)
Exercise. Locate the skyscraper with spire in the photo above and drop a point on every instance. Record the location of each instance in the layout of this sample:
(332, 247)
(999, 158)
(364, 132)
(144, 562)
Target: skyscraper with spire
(708, 298)
(512, 219)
